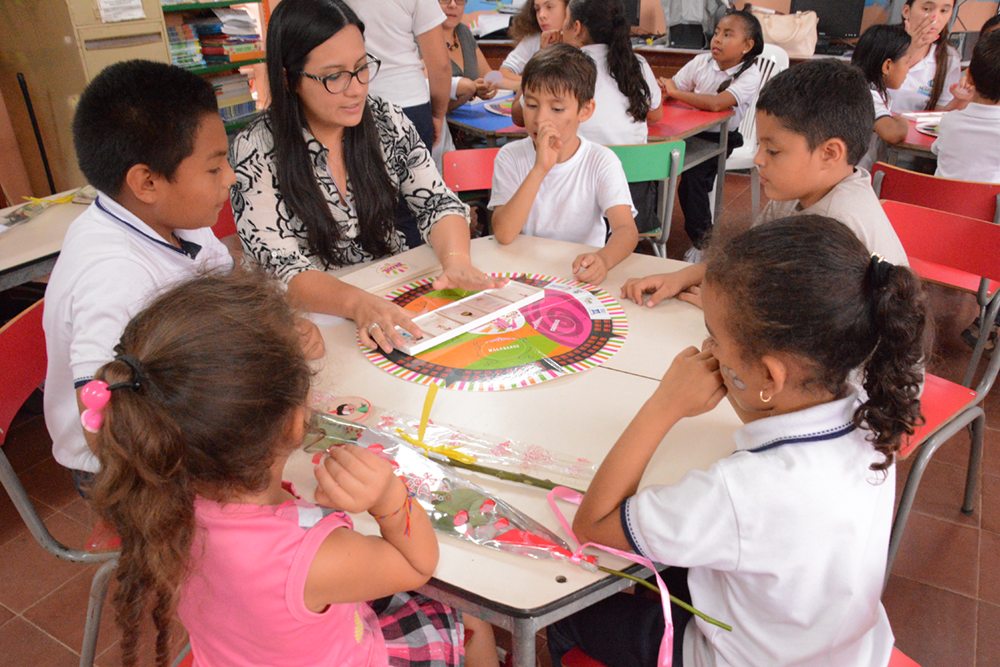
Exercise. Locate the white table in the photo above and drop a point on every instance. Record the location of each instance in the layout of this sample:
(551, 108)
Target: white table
(29, 250)
(582, 414)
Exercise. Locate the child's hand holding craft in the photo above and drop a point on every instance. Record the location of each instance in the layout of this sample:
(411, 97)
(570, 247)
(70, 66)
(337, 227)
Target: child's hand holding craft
(356, 480)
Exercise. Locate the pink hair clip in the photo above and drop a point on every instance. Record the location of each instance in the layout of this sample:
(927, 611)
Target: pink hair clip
(95, 395)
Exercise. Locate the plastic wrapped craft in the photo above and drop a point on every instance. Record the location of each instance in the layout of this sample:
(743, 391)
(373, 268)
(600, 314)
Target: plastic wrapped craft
(456, 506)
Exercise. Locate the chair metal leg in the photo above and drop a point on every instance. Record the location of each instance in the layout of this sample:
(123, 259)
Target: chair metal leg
(98, 592)
(975, 461)
(754, 193)
(667, 214)
(922, 458)
(986, 319)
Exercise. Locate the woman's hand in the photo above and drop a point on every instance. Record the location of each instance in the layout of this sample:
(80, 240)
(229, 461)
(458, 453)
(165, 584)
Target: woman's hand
(466, 88)
(356, 480)
(485, 91)
(377, 319)
(458, 273)
(692, 385)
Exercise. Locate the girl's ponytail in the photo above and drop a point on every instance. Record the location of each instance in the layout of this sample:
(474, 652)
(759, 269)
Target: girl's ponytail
(893, 374)
(203, 384)
(606, 24)
(941, 58)
(754, 32)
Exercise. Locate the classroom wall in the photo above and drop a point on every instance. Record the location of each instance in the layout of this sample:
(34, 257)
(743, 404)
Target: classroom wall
(13, 176)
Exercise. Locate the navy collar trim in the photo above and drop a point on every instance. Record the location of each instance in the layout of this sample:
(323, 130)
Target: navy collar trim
(829, 434)
(188, 248)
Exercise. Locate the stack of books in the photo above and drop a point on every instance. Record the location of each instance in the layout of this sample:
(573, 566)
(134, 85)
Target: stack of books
(233, 95)
(229, 36)
(185, 49)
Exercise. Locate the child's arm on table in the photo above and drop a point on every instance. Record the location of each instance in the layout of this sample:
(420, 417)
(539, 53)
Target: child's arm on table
(692, 385)
(593, 267)
(892, 129)
(664, 285)
(351, 567)
(705, 101)
(509, 219)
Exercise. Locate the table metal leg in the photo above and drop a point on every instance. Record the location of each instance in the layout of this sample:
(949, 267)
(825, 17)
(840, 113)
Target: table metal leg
(721, 177)
(524, 646)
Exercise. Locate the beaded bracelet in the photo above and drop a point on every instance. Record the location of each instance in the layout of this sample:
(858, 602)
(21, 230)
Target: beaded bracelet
(407, 505)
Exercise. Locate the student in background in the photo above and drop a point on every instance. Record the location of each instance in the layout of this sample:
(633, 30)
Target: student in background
(968, 143)
(536, 26)
(808, 148)
(726, 78)
(468, 64)
(882, 54)
(321, 175)
(626, 96)
(991, 24)
(207, 401)
(786, 538)
(157, 156)
(556, 184)
(400, 33)
(934, 79)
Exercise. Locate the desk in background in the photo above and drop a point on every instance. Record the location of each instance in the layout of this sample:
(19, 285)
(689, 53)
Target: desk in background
(580, 414)
(476, 120)
(916, 143)
(29, 250)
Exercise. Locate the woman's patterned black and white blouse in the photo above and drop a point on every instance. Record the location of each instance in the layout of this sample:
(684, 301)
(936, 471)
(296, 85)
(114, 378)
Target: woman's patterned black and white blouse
(278, 241)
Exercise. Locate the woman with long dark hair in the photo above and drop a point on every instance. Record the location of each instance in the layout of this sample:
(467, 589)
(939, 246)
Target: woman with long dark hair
(322, 174)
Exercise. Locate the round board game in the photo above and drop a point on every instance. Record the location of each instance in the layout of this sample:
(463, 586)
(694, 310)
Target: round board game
(573, 328)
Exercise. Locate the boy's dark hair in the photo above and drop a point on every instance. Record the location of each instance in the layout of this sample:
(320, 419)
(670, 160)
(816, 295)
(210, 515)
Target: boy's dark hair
(984, 70)
(992, 24)
(138, 112)
(807, 287)
(561, 68)
(878, 44)
(822, 99)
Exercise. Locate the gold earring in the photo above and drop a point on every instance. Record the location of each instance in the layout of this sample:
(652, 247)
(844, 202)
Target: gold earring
(765, 400)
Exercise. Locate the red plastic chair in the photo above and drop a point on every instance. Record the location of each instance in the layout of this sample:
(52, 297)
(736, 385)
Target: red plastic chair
(967, 198)
(470, 169)
(577, 658)
(226, 224)
(22, 348)
(972, 246)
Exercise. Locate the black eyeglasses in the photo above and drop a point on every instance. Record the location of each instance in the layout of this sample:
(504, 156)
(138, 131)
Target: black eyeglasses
(339, 81)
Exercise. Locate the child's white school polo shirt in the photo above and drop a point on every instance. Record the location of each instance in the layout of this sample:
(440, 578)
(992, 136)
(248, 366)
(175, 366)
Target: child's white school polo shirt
(573, 198)
(915, 92)
(110, 265)
(786, 540)
(702, 75)
(968, 144)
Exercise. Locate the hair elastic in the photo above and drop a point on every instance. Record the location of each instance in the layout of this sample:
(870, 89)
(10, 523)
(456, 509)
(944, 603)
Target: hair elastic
(96, 394)
(880, 270)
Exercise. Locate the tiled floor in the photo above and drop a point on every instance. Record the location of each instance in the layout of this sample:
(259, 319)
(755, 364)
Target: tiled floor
(943, 598)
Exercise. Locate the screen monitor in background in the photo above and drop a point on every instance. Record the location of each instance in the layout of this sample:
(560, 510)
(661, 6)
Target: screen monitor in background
(632, 11)
(838, 19)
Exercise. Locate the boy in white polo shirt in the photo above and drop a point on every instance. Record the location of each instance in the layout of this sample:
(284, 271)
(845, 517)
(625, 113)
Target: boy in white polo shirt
(149, 137)
(968, 143)
(555, 184)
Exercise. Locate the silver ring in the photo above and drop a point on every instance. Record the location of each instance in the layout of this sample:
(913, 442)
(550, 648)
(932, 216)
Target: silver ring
(371, 327)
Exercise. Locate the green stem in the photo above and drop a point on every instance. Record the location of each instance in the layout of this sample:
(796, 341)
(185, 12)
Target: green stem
(679, 603)
(503, 474)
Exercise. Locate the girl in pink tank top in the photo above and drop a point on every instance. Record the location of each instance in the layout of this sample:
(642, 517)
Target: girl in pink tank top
(195, 419)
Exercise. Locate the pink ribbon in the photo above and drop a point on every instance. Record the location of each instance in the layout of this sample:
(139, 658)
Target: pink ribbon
(666, 655)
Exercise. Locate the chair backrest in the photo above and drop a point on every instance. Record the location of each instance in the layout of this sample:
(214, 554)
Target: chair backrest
(967, 198)
(947, 239)
(226, 224)
(648, 162)
(22, 348)
(774, 59)
(470, 169)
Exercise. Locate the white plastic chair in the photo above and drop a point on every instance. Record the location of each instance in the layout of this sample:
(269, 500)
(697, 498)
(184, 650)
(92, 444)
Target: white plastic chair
(771, 61)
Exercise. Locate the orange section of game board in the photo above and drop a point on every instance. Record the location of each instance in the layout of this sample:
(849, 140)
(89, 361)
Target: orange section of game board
(464, 354)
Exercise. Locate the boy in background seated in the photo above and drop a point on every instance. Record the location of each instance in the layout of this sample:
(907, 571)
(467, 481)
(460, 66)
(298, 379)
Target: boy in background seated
(555, 184)
(814, 121)
(968, 143)
(149, 137)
